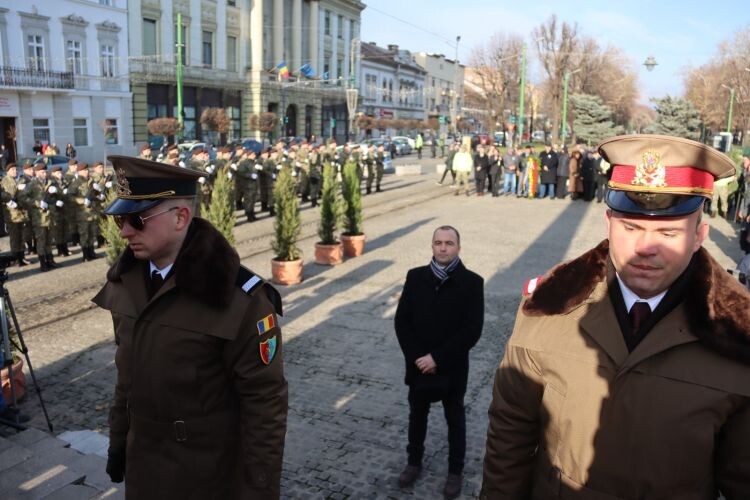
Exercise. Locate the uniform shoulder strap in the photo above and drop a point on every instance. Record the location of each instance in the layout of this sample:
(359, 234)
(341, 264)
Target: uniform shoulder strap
(250, 282)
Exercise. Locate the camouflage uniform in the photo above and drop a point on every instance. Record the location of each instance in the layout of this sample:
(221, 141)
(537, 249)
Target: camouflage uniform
(15, 217)
(369, 162)
(87, 218)
(58, 213)
(37, 199)
(315, 165)
(249, 172)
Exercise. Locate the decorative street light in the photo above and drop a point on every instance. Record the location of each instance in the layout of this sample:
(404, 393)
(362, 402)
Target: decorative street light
(650, 63)
(454, 104)
(351, 107)
(565, 104)
(731, 105)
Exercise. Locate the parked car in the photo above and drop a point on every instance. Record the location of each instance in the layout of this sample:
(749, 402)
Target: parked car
(50, 161)
(409, 140)
(538, 136)
(402, 146)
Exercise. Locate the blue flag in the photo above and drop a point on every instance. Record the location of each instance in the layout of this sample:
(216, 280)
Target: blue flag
(325, 75)
(307, 70)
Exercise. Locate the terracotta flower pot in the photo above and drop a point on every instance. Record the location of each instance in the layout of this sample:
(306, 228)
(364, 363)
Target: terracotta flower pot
(286, 272)
(329, 255)
(19, 380)
(354, 245)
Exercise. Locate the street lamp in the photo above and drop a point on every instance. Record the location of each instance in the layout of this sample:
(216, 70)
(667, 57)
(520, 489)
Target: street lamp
(650, 63)
(565, 103)
(731, 105)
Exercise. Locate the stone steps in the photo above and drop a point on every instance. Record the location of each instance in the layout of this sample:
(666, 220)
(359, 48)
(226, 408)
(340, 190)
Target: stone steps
(37, 465)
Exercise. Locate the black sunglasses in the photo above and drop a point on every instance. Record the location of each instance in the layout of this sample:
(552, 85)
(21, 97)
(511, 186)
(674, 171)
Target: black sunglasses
(136, 221)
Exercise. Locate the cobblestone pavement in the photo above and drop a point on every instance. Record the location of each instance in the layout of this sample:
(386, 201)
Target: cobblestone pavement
(348, 411)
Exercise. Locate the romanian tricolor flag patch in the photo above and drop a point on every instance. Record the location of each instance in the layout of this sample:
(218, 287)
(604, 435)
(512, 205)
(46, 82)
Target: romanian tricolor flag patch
(266, 324)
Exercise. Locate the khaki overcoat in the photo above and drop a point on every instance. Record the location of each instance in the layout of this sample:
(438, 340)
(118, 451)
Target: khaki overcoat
(200, 409)
(574, 415)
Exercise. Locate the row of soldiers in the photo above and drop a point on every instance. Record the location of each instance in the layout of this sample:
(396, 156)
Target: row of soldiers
(57, 208)
(254, 175)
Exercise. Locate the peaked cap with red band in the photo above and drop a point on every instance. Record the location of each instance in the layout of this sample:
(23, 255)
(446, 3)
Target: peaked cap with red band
(661, 176)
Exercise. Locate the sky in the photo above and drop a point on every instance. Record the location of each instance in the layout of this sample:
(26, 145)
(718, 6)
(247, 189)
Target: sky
(678, 34)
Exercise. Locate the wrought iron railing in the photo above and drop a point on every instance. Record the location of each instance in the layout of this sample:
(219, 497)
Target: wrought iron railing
(24, 77)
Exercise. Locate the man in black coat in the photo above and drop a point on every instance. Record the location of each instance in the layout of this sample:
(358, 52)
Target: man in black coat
(438, 320)
(548, 175)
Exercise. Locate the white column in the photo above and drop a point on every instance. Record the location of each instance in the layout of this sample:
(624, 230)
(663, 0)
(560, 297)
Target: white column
(220, 37)
(256, 37)
(167, 29)
(278, 31)
(345, 72)
(314, 36)
(296, 35)
(334, 46)
(195, 32)
(134, 30)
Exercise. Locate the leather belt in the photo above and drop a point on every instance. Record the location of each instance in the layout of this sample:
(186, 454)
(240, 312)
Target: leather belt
(180, 430)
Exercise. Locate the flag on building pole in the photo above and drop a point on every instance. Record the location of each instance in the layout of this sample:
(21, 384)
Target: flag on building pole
(283, 70)
(307, 70)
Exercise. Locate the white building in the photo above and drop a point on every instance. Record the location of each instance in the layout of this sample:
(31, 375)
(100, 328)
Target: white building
(64, 76)
(392, 84)
(444, 85)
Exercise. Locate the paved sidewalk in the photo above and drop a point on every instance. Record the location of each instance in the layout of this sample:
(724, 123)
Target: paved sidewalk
(348, 411)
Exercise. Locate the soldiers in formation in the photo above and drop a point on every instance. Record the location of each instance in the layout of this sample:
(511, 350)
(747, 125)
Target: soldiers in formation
(253, 175)
(53, 209)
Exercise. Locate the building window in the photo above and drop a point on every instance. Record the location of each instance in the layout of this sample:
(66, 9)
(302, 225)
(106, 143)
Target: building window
(326, 72)
(41, 130)
(339, 69)
(36, 52)
(80, 132)
(108, 61)
(235, 129)
(208, 49)
(74, 61)
(108, 3)
(328, 23)
(340, 28)
(352, 29)
(110, 134)
(231, 53)
(385, 91)
(232, 3)
(149, 37)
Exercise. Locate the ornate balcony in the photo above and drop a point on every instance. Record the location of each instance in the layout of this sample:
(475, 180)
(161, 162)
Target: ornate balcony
(32, 78)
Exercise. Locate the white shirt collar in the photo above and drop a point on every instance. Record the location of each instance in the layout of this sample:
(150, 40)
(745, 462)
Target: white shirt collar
(164, 272)
(631, 298)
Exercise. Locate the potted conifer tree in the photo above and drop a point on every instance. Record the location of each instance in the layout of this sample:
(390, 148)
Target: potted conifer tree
(115, 243)
(353, 237)
(220, 210)
(329, 251)
(286, 266)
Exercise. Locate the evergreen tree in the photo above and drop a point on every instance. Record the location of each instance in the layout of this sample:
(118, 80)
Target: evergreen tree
(593, 120)
(111, 233)
(352, 200)
(676, 117)
(220, 210)
(287, 224)
(330, 206)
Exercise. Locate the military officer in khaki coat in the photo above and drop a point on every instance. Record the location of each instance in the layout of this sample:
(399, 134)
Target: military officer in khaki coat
(38, 198)
(626, 376)
(200, 403)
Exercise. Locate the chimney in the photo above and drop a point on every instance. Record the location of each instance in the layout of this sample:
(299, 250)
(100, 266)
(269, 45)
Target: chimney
(393, 48)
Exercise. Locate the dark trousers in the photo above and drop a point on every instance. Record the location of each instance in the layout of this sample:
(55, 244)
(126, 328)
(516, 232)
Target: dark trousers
(560, 190)
(445, 172)
(453, 407)
(495, 184)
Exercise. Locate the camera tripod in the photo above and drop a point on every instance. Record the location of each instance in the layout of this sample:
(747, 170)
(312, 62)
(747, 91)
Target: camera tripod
(12, 416)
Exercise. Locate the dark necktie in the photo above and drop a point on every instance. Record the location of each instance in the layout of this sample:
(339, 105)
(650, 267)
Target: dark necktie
(639, 314)
(156, 282)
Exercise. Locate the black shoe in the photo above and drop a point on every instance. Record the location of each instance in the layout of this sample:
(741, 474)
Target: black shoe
(21, 261)
(272, 212)
(409, 475)
(51, 262)
(369, 191)
(452, 486)
(378, 190)
(250, 216)
(60, 251)
(43, 266)
(92, 253)
(66, 252)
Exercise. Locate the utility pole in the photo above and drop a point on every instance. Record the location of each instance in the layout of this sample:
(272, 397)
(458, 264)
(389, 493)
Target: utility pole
(179, 70)
(731, 105)
(454, 106)
(521, 94)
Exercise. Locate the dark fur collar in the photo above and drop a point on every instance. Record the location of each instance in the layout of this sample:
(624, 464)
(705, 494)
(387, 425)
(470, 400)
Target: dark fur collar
(206, 267)
(717, 306)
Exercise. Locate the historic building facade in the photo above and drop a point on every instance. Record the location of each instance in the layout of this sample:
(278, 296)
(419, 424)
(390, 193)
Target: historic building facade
(444, 85)
(64, 77)
(392, 84)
